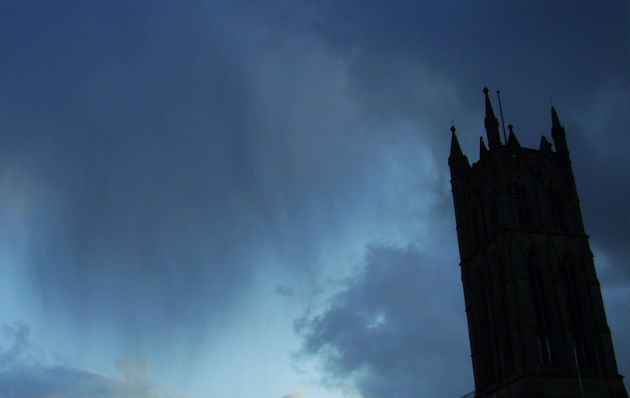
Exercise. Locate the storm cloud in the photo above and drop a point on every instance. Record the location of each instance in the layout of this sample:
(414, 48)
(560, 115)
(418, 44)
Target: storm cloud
(184, 184)
(395, 329)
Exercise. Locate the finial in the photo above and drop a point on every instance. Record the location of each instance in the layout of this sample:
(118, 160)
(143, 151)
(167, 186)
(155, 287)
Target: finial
(512, 140)
(456, 151)
(491, 123)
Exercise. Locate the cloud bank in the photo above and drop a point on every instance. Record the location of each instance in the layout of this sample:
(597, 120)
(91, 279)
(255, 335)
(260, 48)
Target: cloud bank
(394, 329)
(24, 372)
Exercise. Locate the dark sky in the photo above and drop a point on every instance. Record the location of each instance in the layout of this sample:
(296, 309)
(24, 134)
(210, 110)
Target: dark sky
(253, 198)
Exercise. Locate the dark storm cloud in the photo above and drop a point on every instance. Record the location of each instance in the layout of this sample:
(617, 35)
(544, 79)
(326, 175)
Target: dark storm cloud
(427, 63)
(576, 53)
(536, 49)
(395, 328)
(110, 125)
(160, 149)
(164, 148)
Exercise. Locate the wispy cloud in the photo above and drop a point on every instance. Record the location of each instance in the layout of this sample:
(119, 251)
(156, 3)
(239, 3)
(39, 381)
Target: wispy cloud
(24, 372)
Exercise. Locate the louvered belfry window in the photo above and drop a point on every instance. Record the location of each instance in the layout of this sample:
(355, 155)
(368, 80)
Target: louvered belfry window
(522, 204)
(555, 208)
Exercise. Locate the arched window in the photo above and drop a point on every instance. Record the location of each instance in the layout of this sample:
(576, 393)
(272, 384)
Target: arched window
(494, 216)
(480, 340)
(484, 227)
(572, 286)
(474, 209)
(540, 309)
(507, 354)
(522, 203)
(494, 356)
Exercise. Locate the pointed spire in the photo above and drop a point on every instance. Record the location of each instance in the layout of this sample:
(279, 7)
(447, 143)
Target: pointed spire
(512, 141)
(544, 144)
(456, 150)
(557, 132)
(491, 123)
(555, 122)
(482, 147)
(489, 110)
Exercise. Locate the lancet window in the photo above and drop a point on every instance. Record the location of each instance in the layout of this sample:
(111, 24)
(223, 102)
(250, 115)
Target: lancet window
(571, 279)
(540, 309)
(558, 217)
(522, 203)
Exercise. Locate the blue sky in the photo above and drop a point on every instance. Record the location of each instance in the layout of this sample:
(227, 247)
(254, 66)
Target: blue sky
(248, 198)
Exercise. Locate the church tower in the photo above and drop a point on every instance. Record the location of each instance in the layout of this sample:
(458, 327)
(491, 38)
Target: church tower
(536, 319)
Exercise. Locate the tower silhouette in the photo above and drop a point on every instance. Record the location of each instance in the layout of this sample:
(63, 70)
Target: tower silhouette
(536, 319)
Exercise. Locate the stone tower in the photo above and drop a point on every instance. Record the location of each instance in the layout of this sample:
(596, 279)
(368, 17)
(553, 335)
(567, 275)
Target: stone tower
(536, 320)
